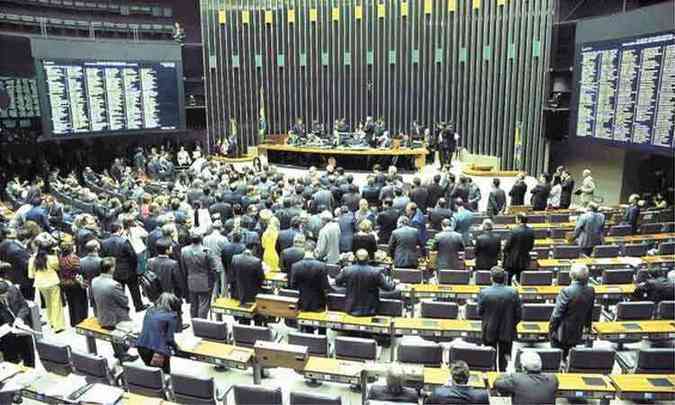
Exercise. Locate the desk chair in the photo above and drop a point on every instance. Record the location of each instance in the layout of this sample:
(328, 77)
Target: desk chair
(256, 395)
(143, 380)
(618, 276)
(536, 218)
(454, 276)
(605, 251)
(407, 276)
(54, 357)
(541, 233)
(666, 248)
(635, 250)
(389, 307)
(655, 361)
(306, 398)
(620, 230)
(246, 335)
(634, 311)
(469, 253)
(647, 229)
(483, 277)
(480, 358)
(317, 345)
(566, 252)
(95, 369)
(439, 310)
(542, 252)
(533, 278)
(335, 302)
(550, 359)
(558, 218)
(504, 219)
(665, 310)
(210, 330)
(420, 352)
(537, 312)
(349, 348)
(195, 390)
(564, 278)
(594, 361)
(558, 233)
(471, 312)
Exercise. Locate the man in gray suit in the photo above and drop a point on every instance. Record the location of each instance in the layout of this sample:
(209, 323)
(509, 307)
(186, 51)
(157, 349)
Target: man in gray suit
(448, 244)
(200, 266)
(496, 200)
(573, 311)
(403, 245)
(530, 387)
(328, 244)
(112, 304)
(589, 229)
(216, 242)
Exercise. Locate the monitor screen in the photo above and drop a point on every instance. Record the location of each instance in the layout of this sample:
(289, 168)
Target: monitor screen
(95, 96)
(625, 90)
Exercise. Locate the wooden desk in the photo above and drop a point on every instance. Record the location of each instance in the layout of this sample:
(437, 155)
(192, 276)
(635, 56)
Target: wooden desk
(333, 370)
(231, 306)
(434, 377)
(441, 291)
(548, 292)
(219, 354)
(651, 387)
(613, 240)
(574, 385)
(605, 263)
(654, 330)
(437, 327)
(344, 321)
(92, 330)
(664, 260)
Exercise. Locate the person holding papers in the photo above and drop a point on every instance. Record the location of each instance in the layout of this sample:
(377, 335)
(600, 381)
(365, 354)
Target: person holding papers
(14, 314)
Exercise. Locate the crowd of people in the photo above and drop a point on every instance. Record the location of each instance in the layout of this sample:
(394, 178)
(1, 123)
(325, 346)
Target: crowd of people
(213, 230)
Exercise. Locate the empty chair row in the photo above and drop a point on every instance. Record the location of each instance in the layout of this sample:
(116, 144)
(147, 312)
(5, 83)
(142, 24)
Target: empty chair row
(528, 278)
(530, 312)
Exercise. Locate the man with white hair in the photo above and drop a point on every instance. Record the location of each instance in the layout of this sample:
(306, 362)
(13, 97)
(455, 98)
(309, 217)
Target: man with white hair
(573, 311)
(393, 391)
(530, 387)
(656, 289)
(589, 229)
(587, 189)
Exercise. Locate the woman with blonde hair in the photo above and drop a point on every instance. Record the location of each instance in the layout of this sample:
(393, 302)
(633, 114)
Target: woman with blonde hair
(269, 243)
(365, 239)
(43, 267)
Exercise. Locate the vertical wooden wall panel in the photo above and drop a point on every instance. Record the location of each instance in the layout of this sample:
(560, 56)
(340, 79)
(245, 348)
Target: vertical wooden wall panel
(478, 66)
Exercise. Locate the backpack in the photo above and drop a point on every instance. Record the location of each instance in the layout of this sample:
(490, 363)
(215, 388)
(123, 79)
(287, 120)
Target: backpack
(151, 286)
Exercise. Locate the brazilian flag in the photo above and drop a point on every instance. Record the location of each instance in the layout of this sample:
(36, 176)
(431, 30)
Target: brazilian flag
(262, 121)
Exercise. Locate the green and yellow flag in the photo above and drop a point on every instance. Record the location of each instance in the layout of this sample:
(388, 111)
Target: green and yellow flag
(262, 121)
(518, 147)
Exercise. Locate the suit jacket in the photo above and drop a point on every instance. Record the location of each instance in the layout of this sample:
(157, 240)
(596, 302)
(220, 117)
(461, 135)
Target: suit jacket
(419, 221)
(365, 241)
(216, 242)
(231, 249)
(285, 239)
(589, 229)
(518, 246)
(125, 256)
(566, 190)
(435, 193)
(540, 194)
(528, 388)
(500, 312)
(371, 194)
(631, 216)
(112, 304)
(18, 306)
(200, 266)
(14, 253)
(90, 267)
(656, 290)
(324, 197)
(573, 311)
(347, 227)
(151, 241)
(517, 193)
(437, 216)
(82, 236)
(309, 277)
(169, 274)
(448, 244)
(249, 276)
(420, 196)
(363, 284)
(223, 209)
(380, 393)
(457, 394)
(386, 221)
(290, 256)
(496, 202)
(159, 328)
(403, 247)
(463, 220)
(488, 250)
(328, 245)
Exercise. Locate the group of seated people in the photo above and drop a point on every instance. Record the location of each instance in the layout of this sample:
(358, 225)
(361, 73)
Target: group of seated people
(216, 231)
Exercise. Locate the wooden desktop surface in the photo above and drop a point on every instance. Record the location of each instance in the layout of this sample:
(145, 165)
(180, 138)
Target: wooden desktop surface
(643, 383)
(572, 382)
(626, 327)
(344, 151)
(434, 376)
(232, 305)
(222, 351)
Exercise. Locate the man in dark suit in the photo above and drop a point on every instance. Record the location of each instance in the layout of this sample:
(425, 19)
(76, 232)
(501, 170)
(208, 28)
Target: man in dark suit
(249, 276)
(496, 200)
(371, 192)
(530, 387)
(518, 191)
(167, 270)
(656, 289)
(125, 263)
(200, 266)
(15, 253)
(500, 312)
(589, 229)
(447, 245)
(438, 214)
(363, 284)
(293, 254)
(347, 224)
(221, 208)
(386, 221)
(112, 304)
(14, 311)
(393, 391)
(458, 391)
(286, 236)
(632, 213)
(419, 194)
(517, 248)
(573, 311)
(447, 144)
(435, 191)
(403, 245)
(488, 248)
(566, 189)
(540, 194)
(310, 277)
(231, 249)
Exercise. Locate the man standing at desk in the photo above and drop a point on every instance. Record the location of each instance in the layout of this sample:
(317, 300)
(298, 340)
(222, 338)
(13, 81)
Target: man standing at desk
(517, 248)
(403, 245)
(248, 275)
(488, 247)
(500, 312)
(200, 266)
(310, 277)
(530, 387)
(112, 304)
(447, 245)
(363, 284)
(573, 311)
(589, 229)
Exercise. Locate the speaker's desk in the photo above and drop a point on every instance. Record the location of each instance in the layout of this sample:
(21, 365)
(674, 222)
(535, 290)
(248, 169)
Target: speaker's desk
(617, 330)
(644, 387)
(232, 307)
(575, 385)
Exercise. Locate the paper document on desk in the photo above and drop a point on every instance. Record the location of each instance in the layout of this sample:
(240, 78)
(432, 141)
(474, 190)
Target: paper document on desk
(60, 387)
(101, 394)
(128, 327)
(187, 342)
(8, 370)
(633, 261)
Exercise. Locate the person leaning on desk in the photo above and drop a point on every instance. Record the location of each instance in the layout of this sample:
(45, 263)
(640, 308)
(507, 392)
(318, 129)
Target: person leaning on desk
(532, 386)
(156, 340)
